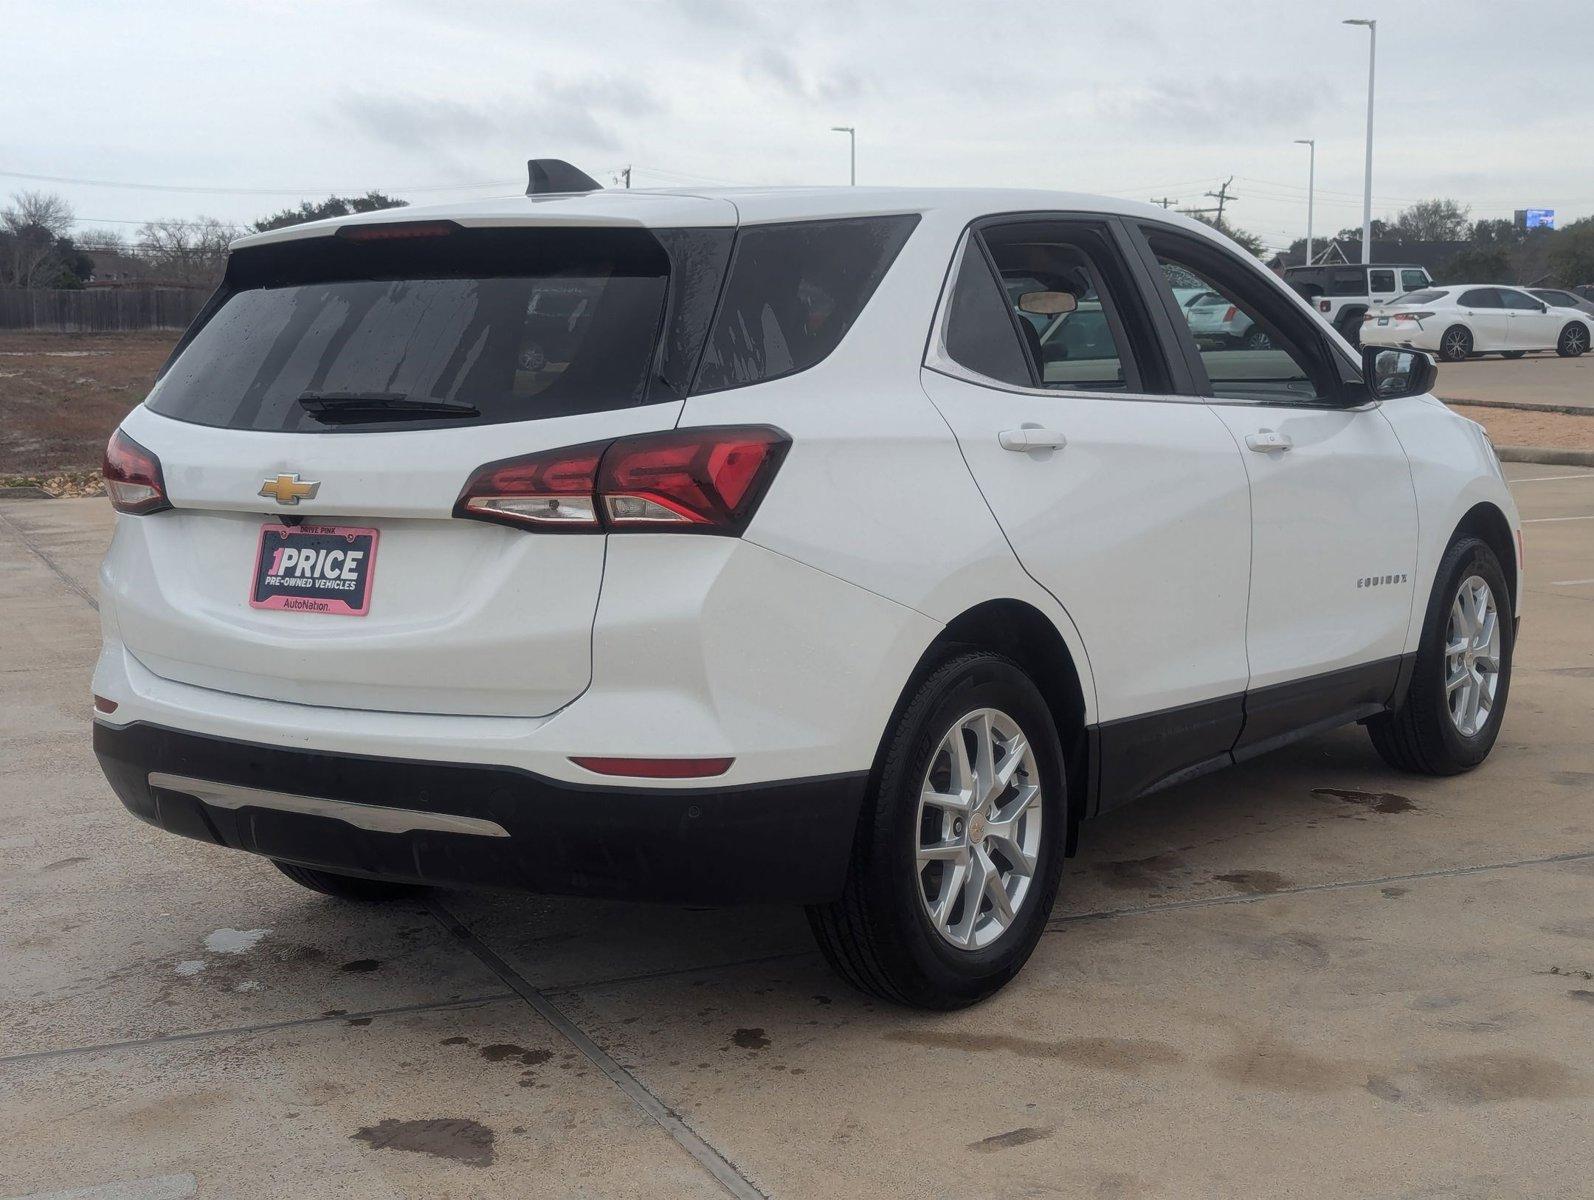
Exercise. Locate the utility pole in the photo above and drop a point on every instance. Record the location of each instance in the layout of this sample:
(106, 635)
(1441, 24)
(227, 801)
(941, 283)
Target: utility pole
(1367, 177)
(1311, 191)
(1223, 196)
(1166, 201)
(625, 174)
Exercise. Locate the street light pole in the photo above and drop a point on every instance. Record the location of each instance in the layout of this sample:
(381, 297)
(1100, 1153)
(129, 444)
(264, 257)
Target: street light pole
(852, 151)
(1311, 191)
(1367, 177)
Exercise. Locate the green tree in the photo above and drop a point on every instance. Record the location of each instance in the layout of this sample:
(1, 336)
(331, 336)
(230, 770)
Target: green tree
(1477, 264)
(1436, 220)
(332, 206)
(1248, 241)
(1572, 253)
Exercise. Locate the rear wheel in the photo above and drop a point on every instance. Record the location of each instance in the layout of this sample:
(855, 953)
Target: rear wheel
(1351, 330)
(1573, 341)
(960, 845)
(1456, 344)
(1512, 353)
(344, 887)
(1258, 340)
(1452, 711)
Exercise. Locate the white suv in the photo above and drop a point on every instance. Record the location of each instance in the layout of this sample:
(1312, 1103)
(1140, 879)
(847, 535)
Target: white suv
(754, 545)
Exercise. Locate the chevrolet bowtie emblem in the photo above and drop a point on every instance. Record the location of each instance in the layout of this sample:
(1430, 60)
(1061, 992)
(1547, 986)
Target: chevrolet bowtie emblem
(289, 489)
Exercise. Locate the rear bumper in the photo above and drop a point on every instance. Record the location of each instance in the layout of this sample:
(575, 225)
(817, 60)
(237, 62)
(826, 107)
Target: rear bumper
(439, 822)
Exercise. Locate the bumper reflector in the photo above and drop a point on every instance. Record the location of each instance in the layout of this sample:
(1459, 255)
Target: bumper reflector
(656, 768)
(101, 704)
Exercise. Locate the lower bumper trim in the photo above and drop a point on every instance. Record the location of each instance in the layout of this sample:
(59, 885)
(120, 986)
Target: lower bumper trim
(477, 825)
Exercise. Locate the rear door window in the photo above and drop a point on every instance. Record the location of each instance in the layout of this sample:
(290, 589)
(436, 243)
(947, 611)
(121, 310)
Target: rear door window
(793, 291)
(1347, 281)
(479, 326)
(1380, 281)
(980, 334)
(1480, 298)
(1413, 280)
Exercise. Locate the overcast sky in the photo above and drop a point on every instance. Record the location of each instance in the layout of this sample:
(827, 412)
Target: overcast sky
(256, 105)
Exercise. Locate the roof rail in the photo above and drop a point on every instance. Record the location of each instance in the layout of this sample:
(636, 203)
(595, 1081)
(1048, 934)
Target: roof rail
(551, 175)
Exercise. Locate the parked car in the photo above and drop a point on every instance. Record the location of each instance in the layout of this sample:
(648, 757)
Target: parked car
(1560, 298)
(1212, 318)
(1463, 320)
(1343, 294)
(803, 575)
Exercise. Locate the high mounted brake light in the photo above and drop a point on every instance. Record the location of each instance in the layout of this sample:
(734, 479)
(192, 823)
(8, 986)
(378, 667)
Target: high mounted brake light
(679, 481)
(393, 230)
(133, 477)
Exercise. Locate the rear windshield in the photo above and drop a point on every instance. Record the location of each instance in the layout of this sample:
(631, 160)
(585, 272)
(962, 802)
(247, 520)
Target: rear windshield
(501, 325)
(1418, 297)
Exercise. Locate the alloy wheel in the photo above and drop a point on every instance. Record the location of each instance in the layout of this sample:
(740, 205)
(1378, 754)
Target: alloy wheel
(1472, 656)
(1576, 339)
(978, 829)
(1457, 344)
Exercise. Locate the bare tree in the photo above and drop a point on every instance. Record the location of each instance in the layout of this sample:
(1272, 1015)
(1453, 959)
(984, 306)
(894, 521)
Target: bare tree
(191, 253)
(1437, 220)
(30, 227)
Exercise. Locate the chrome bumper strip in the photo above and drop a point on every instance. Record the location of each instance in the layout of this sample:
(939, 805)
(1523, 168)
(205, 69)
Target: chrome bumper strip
(375, 817)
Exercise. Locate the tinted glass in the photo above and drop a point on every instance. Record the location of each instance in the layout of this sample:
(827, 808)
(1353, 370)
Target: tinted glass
(1480, 298)
(980, 333)
(1253, 345)
(1427, 297)
(1074, 349)
(793, 292)
(570, 326)
(1519, 300)
(1412, 280)
(1347, 281)
(1380, 281)
(1559, 299)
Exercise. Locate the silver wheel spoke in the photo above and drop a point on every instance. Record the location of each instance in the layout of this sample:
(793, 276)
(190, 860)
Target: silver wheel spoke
(978, 841)
(1472, 656)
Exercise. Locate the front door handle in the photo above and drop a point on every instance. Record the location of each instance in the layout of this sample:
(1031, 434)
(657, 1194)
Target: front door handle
(1031, 438)
(1265, 440)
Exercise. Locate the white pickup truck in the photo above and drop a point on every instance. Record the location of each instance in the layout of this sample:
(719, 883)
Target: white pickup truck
(1343, 294)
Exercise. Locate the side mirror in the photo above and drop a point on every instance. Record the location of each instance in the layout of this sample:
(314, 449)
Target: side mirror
(1393, 374)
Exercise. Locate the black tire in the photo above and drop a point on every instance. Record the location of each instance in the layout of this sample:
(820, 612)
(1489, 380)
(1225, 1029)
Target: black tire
(1455, 344)
(1351, 330)
(1512, 353)
(345, 887)
(1257, 339)
(878, 936)
(1420, 736)
(1573, 341)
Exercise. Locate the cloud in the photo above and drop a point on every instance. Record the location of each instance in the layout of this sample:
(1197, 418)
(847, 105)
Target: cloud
(1216, 109)
(581, 114)
(771, 65)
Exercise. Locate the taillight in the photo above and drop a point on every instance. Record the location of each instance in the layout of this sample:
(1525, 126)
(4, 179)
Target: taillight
(553, 490)
(656, 768)
(133, 478)
(1413, 316)
(1229, 316)
(1325, 306)
(681, 481)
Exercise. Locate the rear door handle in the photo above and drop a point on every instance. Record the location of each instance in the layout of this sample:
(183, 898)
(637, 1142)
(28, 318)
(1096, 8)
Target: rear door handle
(1031, 438)
(1265, 440)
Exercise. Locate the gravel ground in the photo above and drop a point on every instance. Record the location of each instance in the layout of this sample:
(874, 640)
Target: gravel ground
(1511, 427)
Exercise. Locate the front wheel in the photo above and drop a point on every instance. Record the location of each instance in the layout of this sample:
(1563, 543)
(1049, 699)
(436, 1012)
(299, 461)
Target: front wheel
(1573, 341)
(960, 845)
(1456, 344)
(1452, 711)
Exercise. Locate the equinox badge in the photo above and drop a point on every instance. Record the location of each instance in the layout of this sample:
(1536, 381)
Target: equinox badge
(289, 489)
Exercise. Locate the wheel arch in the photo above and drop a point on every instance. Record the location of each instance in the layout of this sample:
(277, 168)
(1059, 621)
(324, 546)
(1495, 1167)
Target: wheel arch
(1488, 523)
(1028, 636)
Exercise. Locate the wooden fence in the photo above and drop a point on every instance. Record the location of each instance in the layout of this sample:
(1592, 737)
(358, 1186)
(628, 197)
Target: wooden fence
(99, 310)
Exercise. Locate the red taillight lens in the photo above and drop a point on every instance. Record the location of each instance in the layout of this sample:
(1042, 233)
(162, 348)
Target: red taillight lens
(394, 230)
(706, 480)
(1325, 306)
(552, 490)
(1229, 316)
(684, 481)
(656, 768)
(133, 477)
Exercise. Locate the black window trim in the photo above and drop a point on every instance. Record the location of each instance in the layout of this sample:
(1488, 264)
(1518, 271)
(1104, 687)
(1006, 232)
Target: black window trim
(937, 359)
(1348, 392)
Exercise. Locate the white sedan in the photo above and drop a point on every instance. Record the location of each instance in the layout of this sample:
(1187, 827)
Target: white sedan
(1463, 320)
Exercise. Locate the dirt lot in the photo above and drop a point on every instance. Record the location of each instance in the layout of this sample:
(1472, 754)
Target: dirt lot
(61, 394)
(1307, 976)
